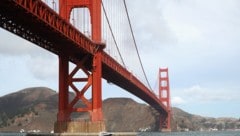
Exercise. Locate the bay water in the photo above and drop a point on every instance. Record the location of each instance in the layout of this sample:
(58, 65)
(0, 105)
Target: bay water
(212, 133)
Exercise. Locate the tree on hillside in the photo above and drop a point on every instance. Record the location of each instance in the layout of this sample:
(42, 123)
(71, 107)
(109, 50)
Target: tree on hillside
(220, 126)
(3, 119)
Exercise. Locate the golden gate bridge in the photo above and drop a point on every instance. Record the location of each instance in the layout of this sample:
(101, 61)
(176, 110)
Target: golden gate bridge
(97, 37)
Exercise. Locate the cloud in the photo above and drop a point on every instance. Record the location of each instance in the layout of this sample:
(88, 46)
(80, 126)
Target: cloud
(150, 26)
(11, 45)
(176, 101)
(199, 94)
(41, 63)
(43, 66)
(197, 40)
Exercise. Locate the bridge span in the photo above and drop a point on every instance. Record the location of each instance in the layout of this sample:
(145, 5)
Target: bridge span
(36, 22)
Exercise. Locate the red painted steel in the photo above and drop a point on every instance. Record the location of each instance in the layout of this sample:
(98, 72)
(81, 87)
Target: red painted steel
(63, 110)
(164, 97)
(36, 22)
(94, 6)
(95, 74)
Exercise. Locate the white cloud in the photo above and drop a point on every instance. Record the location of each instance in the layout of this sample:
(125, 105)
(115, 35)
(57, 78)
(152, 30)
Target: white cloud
(200, 94)
(43, 66)
(11, 45)
(197, 39)
(176, 101)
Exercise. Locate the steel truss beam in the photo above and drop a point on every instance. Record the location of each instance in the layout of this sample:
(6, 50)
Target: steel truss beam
(66, 81)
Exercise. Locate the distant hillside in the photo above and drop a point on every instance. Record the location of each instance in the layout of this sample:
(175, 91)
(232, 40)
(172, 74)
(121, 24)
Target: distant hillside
(36, 109)
(185, 120)
(124, 114)
(30, 108)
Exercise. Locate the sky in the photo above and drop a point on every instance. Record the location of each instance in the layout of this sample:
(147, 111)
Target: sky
(196, 39)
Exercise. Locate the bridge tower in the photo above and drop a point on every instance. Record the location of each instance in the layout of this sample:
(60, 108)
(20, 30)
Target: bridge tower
(92, 78)
(164, 96)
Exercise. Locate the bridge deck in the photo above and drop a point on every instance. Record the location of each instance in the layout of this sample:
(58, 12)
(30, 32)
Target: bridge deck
(36, 22)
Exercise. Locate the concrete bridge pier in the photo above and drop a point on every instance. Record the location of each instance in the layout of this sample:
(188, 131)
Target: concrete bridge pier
(79, 127)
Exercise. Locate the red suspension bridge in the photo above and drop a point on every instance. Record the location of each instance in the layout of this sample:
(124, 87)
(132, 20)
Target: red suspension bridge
(97, 37)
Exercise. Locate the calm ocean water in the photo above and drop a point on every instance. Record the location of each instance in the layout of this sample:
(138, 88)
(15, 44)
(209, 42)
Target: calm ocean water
(12, 134)
(217, 133)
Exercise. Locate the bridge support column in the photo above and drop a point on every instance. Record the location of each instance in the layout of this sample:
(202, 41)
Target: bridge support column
(96, 114)
(164, 97)
(92, 80)
(165, 122)
(63, 114)
(92, 77)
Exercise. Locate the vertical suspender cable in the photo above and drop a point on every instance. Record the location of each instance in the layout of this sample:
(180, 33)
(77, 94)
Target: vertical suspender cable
(112, 34)
(135, 43)
(83, 20)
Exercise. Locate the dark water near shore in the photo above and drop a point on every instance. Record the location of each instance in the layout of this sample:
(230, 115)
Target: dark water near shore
(217, 133)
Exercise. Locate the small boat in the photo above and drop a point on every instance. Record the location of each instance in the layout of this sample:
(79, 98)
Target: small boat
(105, 134)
